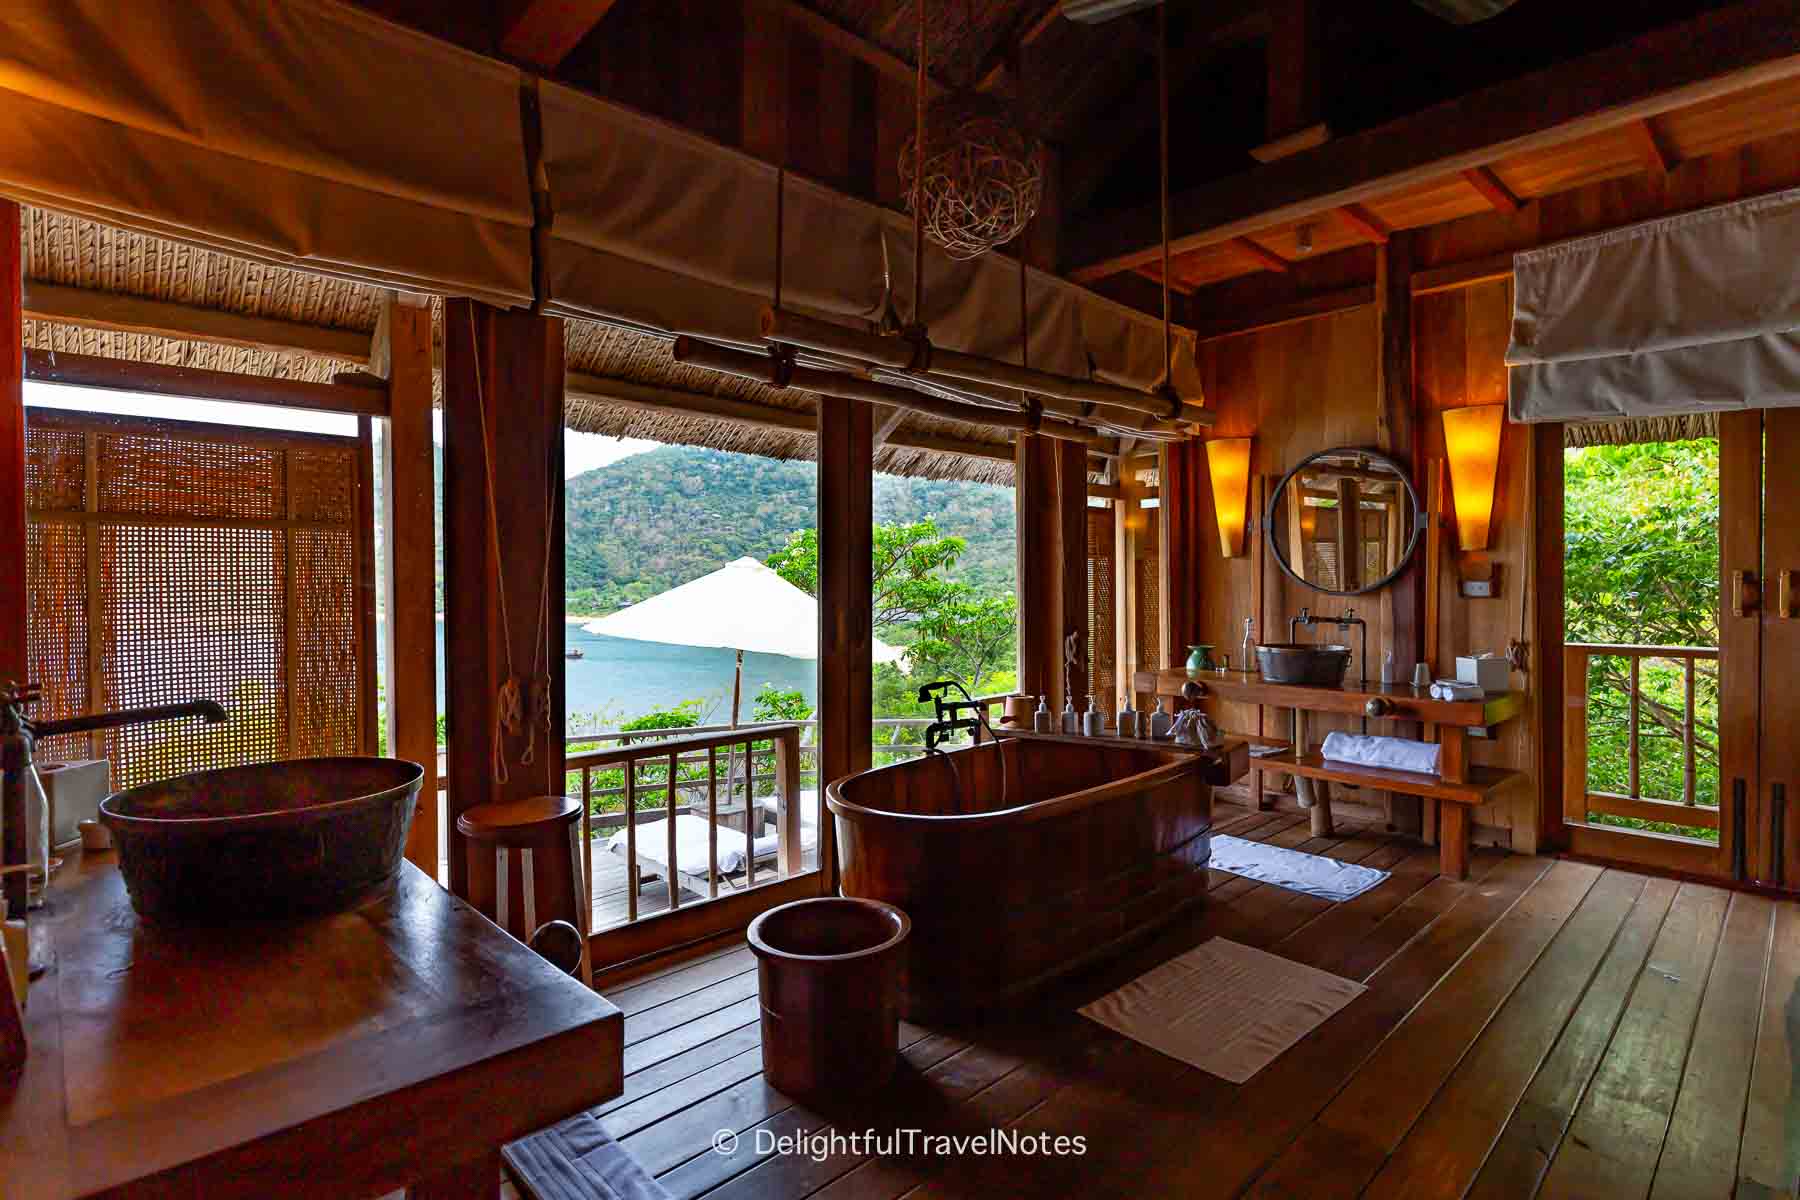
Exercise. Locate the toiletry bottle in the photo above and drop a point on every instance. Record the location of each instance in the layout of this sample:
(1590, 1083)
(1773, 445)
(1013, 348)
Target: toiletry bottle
(1042, 721)
(1249, 659)
(1071, 720)
(1128, 720)
(1093, 721)
(1159, 720)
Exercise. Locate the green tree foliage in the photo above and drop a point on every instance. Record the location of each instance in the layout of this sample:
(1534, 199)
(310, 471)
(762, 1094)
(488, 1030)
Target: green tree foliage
(656, 520)
(1642, 568)
(909, 563)
(949, 629)
(779, 704)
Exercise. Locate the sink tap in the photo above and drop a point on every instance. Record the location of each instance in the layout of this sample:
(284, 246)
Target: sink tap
(19, 734)
(1305, 618)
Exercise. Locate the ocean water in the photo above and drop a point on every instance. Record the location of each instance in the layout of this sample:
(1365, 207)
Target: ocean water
(619, 679)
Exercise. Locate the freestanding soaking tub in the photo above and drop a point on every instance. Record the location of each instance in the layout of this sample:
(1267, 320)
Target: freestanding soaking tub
(1021, 859)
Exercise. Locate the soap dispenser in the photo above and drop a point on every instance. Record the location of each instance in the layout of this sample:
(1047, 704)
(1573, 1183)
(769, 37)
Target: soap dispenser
(1093, 721)
(1071, 720)
(1159, 720)
(1128, 719)
(1042, 721)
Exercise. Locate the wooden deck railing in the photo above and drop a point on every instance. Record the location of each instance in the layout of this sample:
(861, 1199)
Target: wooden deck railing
(1578, 799)
(779, 742)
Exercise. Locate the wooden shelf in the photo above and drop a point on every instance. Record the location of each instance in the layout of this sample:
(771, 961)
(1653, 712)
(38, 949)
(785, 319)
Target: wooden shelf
(1479, 788)
(1409, 703)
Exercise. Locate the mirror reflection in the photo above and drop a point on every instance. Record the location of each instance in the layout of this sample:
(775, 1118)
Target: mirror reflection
(1344, 521)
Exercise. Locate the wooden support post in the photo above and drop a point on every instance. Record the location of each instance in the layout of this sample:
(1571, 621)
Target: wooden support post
(1295, 37)
(12, 450)
(789, 857)
(409, 547)
(503, 404)
(1453, 839)
(1050, 490)
(1397, 432)
(846, 605)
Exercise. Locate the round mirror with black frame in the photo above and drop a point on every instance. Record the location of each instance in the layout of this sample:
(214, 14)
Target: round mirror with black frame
(1315, 544)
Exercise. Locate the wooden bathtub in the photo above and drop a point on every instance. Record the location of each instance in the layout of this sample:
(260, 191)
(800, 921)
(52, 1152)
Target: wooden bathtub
(1087, 844)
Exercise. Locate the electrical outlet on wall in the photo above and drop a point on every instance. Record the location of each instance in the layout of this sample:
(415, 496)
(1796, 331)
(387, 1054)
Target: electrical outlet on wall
(1478, 578)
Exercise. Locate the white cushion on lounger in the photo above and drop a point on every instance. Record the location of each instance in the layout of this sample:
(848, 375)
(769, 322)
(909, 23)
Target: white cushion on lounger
(691, 844)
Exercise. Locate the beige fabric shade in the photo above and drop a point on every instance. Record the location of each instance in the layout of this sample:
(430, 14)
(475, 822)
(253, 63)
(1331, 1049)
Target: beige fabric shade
(659, 228)
(306, 133)
(1689, 314)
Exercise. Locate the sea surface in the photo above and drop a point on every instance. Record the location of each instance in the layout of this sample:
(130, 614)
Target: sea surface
(618, 679)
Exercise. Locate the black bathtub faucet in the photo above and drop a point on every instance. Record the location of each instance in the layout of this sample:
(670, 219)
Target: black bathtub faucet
(948, 723)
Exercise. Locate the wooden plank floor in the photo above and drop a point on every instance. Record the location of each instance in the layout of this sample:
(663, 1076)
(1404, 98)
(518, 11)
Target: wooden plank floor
(1544, 1028)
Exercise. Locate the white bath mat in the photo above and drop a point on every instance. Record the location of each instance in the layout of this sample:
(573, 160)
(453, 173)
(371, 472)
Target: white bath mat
(1326, 878)
(1226, 1008)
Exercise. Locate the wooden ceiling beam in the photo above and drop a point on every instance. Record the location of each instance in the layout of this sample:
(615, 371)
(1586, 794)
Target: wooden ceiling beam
(663, 402)
(849, 42)
(1266, 258)
(1717, 53)
(1368, 226)
(1499, 197)
(189, 323)
(1116, 127)
(1005, 53)
(160, 379)
(1651, 147)
(541, 33)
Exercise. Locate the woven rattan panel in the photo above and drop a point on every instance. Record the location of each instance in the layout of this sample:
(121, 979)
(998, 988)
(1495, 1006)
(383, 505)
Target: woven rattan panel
(1103, 609)
(204, 562)
(1149, 592)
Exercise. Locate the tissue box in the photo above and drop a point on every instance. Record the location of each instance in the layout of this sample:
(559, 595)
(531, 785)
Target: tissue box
(75, 790)
(1490, 672)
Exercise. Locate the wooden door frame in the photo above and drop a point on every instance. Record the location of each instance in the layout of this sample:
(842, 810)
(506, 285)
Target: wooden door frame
(1740, 496)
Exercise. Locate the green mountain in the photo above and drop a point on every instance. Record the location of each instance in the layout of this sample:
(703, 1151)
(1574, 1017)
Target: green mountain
(655, 520)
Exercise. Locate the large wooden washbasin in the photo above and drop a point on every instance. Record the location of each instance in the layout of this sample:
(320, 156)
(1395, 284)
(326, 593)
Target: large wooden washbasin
(1020, 860)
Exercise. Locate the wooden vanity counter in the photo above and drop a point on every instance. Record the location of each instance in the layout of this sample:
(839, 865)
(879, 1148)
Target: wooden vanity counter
(1458, 786)
(397, 1044)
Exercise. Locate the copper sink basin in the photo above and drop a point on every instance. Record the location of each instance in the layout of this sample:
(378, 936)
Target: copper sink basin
(274, 839)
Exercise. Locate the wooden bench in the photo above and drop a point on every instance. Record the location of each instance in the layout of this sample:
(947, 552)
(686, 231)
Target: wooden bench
(577, 1159)
(1455, 797)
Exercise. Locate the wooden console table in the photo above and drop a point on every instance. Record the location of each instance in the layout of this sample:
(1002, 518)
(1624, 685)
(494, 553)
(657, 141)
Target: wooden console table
(399, 1044)
(1457, 787)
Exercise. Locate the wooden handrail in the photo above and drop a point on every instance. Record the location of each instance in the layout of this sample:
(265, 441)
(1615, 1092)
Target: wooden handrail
(1578, 800)
(789, 731)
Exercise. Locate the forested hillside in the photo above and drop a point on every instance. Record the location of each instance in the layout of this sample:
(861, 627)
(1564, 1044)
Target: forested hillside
(649, 522)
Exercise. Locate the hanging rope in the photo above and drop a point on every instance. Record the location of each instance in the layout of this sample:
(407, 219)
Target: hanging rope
(918, 196)
(541, 680)
(509, 709)
(1162, 108)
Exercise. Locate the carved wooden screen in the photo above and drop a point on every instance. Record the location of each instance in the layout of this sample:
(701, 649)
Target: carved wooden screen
(1103, 608)
(172, 561)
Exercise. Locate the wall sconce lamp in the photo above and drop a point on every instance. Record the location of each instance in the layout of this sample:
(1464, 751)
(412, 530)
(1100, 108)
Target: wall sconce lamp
(1228, 462)
(1472, 443)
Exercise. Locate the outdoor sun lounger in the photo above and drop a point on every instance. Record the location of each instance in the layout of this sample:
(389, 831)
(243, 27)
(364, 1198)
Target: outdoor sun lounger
(691, 847)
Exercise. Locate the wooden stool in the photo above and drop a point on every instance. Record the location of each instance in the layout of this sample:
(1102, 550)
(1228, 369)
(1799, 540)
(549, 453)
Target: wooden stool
(525, 866)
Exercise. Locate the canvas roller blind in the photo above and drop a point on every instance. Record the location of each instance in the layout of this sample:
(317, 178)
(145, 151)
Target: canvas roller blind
(1690, 314)
(305, 133)
(664, 230)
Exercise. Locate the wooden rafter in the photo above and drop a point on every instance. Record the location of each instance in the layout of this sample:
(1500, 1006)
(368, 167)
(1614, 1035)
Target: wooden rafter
(541, 33)
(1492, 189)
(1650, 146)
(186, 322)
(1367, 225)
(1717, 53)
(1118, 126)
(1030, 26)
(849, 42)
(1265, 257)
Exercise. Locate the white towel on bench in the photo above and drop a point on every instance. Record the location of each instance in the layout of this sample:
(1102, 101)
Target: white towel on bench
(1396, 754)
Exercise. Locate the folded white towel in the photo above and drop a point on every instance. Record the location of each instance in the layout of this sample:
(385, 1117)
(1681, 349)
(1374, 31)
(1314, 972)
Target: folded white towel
(1451, 689)
(1398, 754)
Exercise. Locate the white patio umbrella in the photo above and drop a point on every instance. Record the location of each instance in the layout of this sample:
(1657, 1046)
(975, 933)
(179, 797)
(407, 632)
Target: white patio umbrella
(742, 606)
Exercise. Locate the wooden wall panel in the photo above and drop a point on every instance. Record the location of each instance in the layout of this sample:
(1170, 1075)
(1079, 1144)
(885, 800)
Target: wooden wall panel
(12, 450)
